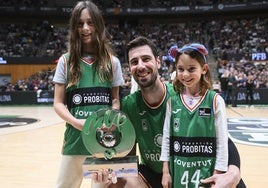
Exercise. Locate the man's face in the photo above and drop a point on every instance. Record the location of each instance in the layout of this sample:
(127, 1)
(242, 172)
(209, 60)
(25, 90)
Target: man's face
(143, 66)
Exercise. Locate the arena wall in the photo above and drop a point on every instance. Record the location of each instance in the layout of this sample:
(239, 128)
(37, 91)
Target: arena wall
(22, 71)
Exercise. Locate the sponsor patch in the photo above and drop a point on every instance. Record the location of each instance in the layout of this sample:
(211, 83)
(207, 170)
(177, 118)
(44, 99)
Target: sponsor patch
(204, 111)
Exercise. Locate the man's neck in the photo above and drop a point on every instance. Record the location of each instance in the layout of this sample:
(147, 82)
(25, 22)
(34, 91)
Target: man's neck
(155, 95)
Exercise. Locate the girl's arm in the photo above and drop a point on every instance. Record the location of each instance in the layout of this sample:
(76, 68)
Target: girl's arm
(166, 134)
(118, 80)
(221, 135)
(115, 98)
(59, 96)
(166, 178)
(232, 177)
(61, 109)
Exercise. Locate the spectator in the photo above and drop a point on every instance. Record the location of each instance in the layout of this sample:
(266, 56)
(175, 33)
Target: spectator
(234, 90)
(249, 90)
(224, 82)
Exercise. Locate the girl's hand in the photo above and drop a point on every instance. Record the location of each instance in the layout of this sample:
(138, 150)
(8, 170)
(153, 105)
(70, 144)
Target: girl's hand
(79, 124)
(166, 180)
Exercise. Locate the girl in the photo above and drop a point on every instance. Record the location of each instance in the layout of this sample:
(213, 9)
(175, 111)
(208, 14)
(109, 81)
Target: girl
(195, 137)
(87, 79)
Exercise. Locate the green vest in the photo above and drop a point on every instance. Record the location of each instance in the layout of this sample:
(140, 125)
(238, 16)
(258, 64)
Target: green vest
(192, 141)
(148, 124)
(87, 96)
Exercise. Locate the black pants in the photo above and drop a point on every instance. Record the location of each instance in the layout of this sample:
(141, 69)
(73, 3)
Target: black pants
(249, 94)
(152, 178)
(234, 97)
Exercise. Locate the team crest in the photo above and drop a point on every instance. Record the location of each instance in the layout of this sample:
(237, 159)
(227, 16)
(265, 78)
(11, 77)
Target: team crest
(158, 140)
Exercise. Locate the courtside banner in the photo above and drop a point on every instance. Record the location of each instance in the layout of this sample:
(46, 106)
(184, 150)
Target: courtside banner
(47, 97)
(27, 97)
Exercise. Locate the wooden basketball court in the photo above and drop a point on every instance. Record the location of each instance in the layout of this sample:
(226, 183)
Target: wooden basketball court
(30, 154)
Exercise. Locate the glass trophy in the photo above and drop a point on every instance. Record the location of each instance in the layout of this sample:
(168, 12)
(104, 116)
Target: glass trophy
(109, 136)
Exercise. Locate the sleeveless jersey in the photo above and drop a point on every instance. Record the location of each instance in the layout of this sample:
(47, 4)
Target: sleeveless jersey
(192, 141)
(82, 99)
(148, 124)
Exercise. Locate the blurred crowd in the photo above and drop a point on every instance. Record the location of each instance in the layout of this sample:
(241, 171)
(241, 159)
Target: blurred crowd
(39, 81)
(121, 3)
(230, 42)
(226, 38)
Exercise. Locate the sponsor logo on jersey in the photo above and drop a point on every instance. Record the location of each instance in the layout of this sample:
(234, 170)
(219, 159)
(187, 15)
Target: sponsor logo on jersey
(89, 96)
(204, 111)
(92, 99)
(142, 113)
(176, 111)
(193, 146)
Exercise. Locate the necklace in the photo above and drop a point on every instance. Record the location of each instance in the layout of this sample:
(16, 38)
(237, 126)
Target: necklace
(191, 98)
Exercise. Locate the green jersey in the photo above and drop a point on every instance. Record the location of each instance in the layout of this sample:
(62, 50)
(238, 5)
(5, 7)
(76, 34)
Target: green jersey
(192, 141)
(82, 99)
(148, 124)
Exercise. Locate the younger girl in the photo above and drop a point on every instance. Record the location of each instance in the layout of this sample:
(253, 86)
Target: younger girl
(195, 137)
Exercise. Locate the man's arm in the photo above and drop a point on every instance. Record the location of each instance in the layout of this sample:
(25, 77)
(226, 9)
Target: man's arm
(232, 177)
(234, 157)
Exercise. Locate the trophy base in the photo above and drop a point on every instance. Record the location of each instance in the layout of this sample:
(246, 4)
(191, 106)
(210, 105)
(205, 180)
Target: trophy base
(122, 166)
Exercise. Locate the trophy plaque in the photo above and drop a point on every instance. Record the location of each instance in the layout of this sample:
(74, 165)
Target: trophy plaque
(109, 136)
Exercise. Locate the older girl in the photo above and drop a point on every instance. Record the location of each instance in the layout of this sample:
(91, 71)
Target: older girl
(87, 79)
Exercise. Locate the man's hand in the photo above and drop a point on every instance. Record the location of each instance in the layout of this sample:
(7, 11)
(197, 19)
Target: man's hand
(229, 179)
(104, 176)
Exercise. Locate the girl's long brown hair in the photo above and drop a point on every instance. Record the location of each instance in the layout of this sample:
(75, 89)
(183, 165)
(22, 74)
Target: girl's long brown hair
(100, 41)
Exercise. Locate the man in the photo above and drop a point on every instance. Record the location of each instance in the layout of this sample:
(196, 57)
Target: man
(234, 87)
(146, 109)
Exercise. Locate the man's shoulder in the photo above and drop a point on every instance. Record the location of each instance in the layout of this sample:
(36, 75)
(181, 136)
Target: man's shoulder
(170, 89)
(169, 86)
(131, 98)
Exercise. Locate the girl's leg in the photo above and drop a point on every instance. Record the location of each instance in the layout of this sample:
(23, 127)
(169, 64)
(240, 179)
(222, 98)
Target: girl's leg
(70, 172)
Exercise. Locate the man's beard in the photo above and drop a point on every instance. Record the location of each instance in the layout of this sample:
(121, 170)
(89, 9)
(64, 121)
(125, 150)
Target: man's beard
(148, 84)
